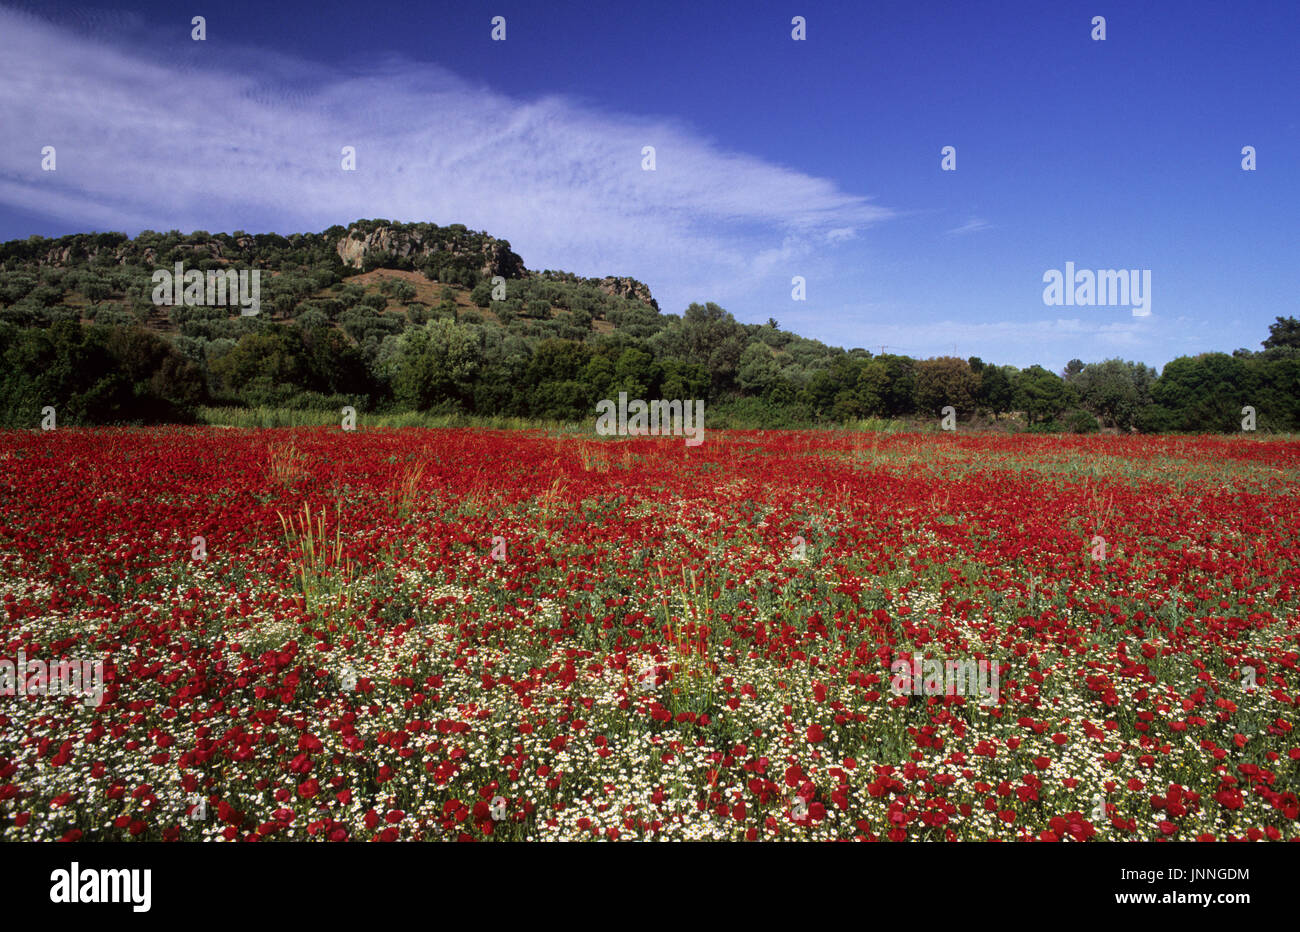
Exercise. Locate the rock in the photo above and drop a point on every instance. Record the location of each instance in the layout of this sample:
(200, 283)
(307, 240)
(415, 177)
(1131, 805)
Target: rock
(621, 287)
(412, 243)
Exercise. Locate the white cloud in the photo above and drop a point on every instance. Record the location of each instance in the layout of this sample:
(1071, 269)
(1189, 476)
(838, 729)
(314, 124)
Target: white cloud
(973, 225)
(162, 133)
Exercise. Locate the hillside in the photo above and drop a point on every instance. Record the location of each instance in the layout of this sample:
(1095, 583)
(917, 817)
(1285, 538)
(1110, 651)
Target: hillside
(392, 317)
(106, 276)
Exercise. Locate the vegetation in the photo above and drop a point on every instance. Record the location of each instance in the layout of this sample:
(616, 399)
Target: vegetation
(447, 323)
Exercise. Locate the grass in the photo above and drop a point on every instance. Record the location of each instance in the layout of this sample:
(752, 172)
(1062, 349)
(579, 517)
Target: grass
(408, 488)
(877, 425)
(286, 462)
(319, 566)
(264, 416)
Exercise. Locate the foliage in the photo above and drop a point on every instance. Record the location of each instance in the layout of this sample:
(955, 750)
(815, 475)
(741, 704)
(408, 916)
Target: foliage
(79, 331)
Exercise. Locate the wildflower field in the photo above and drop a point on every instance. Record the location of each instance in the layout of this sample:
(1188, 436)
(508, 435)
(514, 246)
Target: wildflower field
(480, 635)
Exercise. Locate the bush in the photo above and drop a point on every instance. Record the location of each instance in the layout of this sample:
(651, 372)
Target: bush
(397, 289)
(96, 375)
(1081, 422)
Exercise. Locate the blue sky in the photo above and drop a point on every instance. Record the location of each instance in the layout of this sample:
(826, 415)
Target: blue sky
(774, 158)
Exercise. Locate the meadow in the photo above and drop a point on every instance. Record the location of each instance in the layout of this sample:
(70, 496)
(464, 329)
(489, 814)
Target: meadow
(473, 634)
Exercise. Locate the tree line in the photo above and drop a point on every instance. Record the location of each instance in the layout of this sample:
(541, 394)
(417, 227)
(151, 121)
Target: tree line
(433, 333)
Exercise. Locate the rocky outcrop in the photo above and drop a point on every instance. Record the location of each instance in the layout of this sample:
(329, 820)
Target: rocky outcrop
(495, 256)
(617, 286)
(620, 287)
(500, 260)
(423, 246)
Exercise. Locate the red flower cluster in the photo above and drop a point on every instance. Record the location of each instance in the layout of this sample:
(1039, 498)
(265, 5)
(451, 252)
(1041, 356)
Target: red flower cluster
(516, 635)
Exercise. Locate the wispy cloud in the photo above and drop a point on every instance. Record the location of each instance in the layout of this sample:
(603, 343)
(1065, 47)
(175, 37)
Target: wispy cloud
(973, 225)
(158, 133)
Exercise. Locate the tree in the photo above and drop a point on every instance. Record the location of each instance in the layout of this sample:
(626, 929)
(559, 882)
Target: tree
(757, 369)
(435, 363)
(1114, 390)
(1202, 393)
(707, 336)
(887, 385)
(637, 373)
(684, 380)
(161, 378)
(94, 375)
(1276, 396)
(333, 365)
(1285, 332)
(1042, 395)
(946, 380)
(557, 361)
(482, 293)
(821, 392)
(271, 355)
(599, 374)
(567, 400)
(997, 388)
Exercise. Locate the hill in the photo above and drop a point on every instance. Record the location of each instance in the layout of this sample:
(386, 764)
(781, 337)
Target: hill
(391, 317)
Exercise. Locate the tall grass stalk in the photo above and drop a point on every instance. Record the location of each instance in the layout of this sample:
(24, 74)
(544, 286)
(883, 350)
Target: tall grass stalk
(408, 488)
(321, 571)
(287, 462)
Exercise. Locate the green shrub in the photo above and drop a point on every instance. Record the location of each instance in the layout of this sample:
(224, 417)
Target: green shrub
(1079, 421)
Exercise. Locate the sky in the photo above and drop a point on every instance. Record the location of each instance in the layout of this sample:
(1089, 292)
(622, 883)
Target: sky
(773, 157)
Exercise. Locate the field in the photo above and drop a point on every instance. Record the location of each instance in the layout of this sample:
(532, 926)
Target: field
(405, 634)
